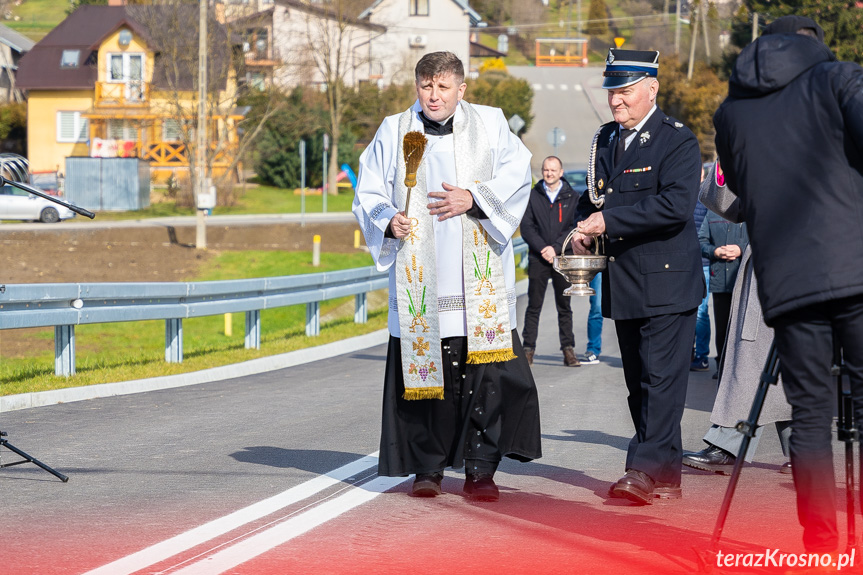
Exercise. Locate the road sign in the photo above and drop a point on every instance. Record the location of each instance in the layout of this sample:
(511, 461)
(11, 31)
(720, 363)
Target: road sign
(556, 137)
(516, 123)
(618, 41)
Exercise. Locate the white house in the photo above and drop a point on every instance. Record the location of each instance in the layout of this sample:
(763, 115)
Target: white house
(415, 27)
(289, 42)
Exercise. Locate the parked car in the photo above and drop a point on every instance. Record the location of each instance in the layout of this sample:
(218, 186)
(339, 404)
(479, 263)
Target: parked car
(577, 179)
(16, 204)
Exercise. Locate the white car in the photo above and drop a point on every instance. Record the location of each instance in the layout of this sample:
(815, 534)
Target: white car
(16, 204)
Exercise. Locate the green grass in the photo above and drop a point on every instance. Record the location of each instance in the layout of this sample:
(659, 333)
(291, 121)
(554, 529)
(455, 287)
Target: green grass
(37, 17)
(135, 350)
(254, 200)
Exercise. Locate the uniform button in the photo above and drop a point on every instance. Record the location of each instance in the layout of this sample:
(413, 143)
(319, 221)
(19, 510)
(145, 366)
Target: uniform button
(666, 266)
(636, 184)
(610, 190)
(611, 259)
(621, 239)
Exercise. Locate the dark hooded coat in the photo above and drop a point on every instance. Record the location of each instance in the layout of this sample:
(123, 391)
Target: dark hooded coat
(790, 141)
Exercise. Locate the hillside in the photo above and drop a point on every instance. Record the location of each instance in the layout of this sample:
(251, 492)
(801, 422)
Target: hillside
(35, 18)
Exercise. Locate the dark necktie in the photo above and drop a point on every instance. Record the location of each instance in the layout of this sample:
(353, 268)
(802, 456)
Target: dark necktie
(621, 145)
(434, 129)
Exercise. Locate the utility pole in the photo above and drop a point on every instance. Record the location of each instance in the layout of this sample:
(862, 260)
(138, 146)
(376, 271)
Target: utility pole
(704, 30)
(693, 26)
(201, 135)
(677, 29)
(754, 26)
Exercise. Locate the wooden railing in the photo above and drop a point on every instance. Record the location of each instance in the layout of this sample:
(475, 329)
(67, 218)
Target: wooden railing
(174, 154)
(119, 94)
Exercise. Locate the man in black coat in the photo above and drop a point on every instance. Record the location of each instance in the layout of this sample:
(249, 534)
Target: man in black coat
(790, 141)
(643, 181)
(546, 222)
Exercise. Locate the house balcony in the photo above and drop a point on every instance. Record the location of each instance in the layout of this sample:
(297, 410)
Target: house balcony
(122, 94)
(267, 58)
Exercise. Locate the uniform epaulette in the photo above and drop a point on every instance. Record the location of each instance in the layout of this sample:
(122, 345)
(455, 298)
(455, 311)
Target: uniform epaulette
(672, 122)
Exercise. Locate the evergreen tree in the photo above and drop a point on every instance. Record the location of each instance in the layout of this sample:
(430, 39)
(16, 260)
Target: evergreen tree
(842, 21)
(598, 15)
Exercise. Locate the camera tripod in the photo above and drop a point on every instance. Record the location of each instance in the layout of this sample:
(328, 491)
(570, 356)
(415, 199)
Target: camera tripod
(845, 430)
(27, 459)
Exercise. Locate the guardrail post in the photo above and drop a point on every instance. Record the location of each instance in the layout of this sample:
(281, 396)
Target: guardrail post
(313, 318)
(253, 329)
(174, 340)
(361, 311)
(64, 350)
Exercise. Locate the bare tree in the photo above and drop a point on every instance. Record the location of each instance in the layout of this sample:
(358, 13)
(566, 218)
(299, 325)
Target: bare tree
(329, 48)
(172, 29)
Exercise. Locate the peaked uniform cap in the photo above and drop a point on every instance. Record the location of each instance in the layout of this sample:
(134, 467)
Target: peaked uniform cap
(626, 67)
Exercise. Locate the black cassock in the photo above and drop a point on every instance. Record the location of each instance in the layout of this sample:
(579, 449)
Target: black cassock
(489, 411)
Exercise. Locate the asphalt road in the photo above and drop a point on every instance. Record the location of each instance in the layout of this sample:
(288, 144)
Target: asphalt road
(248, 476)
(571, 99)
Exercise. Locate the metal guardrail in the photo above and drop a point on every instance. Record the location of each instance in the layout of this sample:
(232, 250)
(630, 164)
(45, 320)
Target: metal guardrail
(64, 306)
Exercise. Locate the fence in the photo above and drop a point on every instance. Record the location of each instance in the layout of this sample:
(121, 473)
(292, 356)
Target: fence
(64, 306)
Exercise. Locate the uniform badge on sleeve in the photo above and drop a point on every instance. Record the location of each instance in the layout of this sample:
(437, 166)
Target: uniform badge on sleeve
(599, 184)
(643, 138)
(678, 125)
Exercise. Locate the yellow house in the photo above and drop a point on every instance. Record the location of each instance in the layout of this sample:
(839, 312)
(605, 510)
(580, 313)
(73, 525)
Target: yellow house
(121, 81)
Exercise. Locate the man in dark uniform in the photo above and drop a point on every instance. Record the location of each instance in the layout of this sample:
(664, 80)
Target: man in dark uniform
(643, 181)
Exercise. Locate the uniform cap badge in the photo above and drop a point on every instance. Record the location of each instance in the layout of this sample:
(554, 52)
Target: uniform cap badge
(599, 184)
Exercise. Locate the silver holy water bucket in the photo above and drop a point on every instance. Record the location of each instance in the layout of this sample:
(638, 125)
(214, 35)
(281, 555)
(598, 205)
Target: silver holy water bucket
(579, 270)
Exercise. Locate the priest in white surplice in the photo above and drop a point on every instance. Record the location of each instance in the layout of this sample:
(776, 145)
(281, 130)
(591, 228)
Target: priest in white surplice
(457, 390)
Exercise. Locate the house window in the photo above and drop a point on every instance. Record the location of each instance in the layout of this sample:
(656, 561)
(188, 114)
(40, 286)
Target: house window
(71, 127)
(122, 130)
(69, 59)
(418, 8)
(171, 131)
(125, 67)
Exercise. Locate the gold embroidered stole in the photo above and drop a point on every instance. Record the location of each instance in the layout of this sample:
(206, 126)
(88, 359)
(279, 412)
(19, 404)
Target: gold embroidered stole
(489, 333)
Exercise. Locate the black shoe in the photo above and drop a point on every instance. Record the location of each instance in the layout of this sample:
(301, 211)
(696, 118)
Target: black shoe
(711, 458)
(481, 487)
(427, 484)
(786, 467)
(715, 375)
(636, 486)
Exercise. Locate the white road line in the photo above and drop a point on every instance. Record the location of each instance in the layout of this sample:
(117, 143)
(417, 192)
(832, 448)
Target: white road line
(185, 541)
(578, 88)
(259, 544)
(537, 87)
(550, 86)
(564, 87)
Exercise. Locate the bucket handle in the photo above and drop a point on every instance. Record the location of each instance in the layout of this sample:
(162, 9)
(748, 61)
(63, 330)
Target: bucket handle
(569, 236)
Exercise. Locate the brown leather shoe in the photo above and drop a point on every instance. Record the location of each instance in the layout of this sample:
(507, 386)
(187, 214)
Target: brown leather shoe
(569, 358)
(528, 355)
(636, 486)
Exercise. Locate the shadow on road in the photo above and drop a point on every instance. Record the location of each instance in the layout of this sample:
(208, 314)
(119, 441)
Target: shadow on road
(314, 461)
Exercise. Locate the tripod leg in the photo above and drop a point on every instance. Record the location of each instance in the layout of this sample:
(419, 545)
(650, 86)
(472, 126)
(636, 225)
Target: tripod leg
(846, 431)
(29, 459)
(769, 376)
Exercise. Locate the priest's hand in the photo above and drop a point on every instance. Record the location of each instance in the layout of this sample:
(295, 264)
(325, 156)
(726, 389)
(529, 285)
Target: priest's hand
(581, 244)
(453, 202)
(400, 225)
